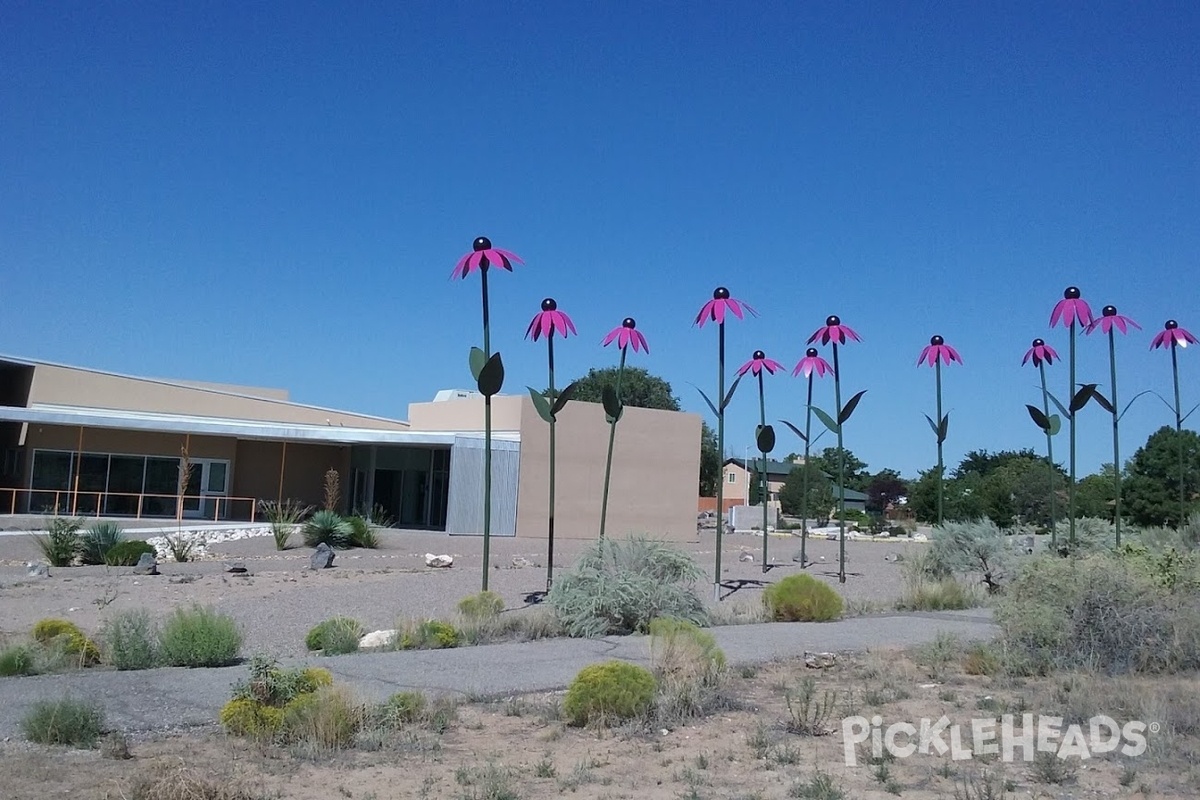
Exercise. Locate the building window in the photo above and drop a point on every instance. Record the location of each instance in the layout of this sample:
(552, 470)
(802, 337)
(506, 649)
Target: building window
(12, 463)
(733, 477)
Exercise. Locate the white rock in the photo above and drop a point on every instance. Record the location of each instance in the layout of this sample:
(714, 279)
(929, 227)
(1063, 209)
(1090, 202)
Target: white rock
(432, 560)
(377, 639)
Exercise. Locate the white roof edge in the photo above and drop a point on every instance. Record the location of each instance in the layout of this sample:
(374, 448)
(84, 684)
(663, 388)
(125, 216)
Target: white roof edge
(178, 384)
(246, 429)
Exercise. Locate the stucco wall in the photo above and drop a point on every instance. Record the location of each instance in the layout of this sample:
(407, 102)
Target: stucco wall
(466, 414)
(256, 472)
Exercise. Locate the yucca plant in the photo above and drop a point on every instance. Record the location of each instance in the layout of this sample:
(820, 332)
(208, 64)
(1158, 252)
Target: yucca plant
(283, 518)
(98, 540)
(60, 545)
(362, 532)
(327, 527)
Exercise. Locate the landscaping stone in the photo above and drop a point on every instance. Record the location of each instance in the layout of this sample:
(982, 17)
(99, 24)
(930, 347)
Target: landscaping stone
(235, 566)
(376, 639)
(37, 569)
(432, 560)
(322, 557)
(146, 565)
(820, 660)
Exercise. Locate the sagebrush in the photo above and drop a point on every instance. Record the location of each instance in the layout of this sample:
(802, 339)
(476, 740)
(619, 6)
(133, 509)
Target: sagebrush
(199, 637)
(802, 598)
(609, 692)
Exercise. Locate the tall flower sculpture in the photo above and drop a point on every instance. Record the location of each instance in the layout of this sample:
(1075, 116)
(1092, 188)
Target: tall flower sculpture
(834, 333)
(625, 335)
(1042, 354)
(1070, 311)
(1109, 322)
(1175, 337)
(935, 354)
(764, 436)
(486, 367)
(547, 323)
(715, 310)
(811, 365)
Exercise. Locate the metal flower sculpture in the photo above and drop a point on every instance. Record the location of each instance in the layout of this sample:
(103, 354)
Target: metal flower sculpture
(764, 434)
(1072, 309)
(935, 353)
(714, 311)
(1110, 322)
(547, 323)
(1175, 337)
(833, 332)
(812, 364)
(626, 335)
(486, 367)
(1042, 354)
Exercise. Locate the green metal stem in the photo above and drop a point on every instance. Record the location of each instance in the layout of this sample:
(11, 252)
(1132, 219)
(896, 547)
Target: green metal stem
(1071, 485)
(804, 499)
(720, 454)
(612, 435)
(937, 368)
(1050, 458)
(1116, 419)
(764, 496)
(1179, 432)
(550, 520)
(837, 400)
(487, 440)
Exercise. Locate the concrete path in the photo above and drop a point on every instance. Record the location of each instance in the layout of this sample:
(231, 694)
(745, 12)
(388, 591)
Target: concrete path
(175, 698)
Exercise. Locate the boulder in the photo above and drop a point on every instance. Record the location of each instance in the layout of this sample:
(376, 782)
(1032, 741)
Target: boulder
(236, 566)
(376, 639)
(147, 565)
(322, 557)
(37, 569)
(820, 660)
(432, 560)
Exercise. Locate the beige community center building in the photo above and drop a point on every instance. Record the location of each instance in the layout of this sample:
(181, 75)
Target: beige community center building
(90, 443)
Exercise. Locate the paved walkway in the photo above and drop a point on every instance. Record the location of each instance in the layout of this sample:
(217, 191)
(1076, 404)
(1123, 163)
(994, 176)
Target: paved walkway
(174, 698)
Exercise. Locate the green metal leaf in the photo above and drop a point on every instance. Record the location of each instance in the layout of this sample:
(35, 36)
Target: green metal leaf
(541, 404)
(764, 436)
(612, 403)
(848, 409)
(1057, 404)
(826, 420)
(1039, 417)
(1055, 425)
(729, 394)
(491, 376)
(1188, 414)
(478, 359)
(943, 427)
(932, 425)
(711, 405)
(1081, 398)
(562, 398)
(1104, 403)
(795, 430)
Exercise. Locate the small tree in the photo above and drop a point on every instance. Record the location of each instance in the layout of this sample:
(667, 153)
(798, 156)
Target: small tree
(820, 493)
(972, 548)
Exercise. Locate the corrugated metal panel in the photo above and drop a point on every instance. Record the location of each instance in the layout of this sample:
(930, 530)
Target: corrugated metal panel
(465, 512)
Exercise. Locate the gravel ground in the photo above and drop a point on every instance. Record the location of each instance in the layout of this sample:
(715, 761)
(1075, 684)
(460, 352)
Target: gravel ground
(279, 598)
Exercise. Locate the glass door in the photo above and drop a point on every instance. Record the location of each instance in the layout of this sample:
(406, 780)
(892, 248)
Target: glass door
(208, 480)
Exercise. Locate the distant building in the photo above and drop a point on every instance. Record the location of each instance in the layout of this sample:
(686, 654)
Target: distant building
(739, 478)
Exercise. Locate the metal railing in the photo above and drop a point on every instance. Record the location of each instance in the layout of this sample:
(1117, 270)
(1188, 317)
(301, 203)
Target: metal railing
(138, 505)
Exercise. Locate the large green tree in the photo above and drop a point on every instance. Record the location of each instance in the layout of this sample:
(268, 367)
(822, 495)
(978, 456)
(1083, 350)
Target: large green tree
(821, 493)
(885, 487)
(1151, 494)
(857, 475)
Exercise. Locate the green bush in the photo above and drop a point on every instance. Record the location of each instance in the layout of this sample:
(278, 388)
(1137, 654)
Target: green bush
(324, 720)
(127, 553)
(274, 701)
(17, 659)
(972, 549)
(432, 634)
(405, 707)
(609, 692)
(95, 543)
(242, 716)
(199, 637)
(618, 587)
(335, 636)
(131, 640)
(66, 636)
(481, 606)
(802, 598)
(688, 665)
(60, 545)
(362, 533)
(64, 721)
(326, 527)
(283, 518)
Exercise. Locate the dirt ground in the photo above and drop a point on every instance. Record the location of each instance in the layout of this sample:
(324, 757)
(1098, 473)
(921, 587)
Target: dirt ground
(520, 749)
(279, 599)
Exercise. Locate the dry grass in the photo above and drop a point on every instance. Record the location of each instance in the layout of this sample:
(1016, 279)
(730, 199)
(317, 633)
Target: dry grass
(182, 783)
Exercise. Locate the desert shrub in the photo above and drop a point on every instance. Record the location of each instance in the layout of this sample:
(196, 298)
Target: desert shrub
(928, 587)
(199, 637)
(127, 553)
(972, 549)
(1092, 535)
(242, 716)
(52, 627)
(260, 702)
(525, 625)
(431, 634)
(64, 635)
(283, 519)
(60, 545)
(688, 665)
(131, 640)
(481, 606)
(95, 543)
(802, 598)
(324, 720)
(618, 587)
(362, 533)
(609, 692)
(63, 721)
(185, 784)
(180, 547)
(1098, 612)
(981, 659)
(17, 659)
(326, 527)
(404, 707)
(335, 636)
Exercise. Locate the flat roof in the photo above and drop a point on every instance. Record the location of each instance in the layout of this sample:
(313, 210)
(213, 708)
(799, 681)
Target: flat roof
(79, 416)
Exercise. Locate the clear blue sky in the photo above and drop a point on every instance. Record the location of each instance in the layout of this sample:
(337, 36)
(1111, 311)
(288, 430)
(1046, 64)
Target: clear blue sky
(277, 195)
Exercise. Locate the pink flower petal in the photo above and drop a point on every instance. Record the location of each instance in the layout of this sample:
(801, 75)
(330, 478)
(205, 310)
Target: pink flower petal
(613, 334)
(850, 332)
(512, 257)
(707, 312)
(954, 356)
(638, 337)
(744, 368)
(733, 306)
(1055, 316)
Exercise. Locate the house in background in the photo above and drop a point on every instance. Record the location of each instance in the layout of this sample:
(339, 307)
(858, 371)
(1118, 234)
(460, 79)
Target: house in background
(92, 443)
(739, 480)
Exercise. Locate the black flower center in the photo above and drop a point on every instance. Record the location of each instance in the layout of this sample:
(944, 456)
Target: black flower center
(759, 355)
(1072, 293)
(832, 320)
(549, 305)
(1172, 325)
(482, 243)
(721, 293)
(629, 322)
(1039, 342)
(811, 352)
(936, 340)
(1109, 311)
